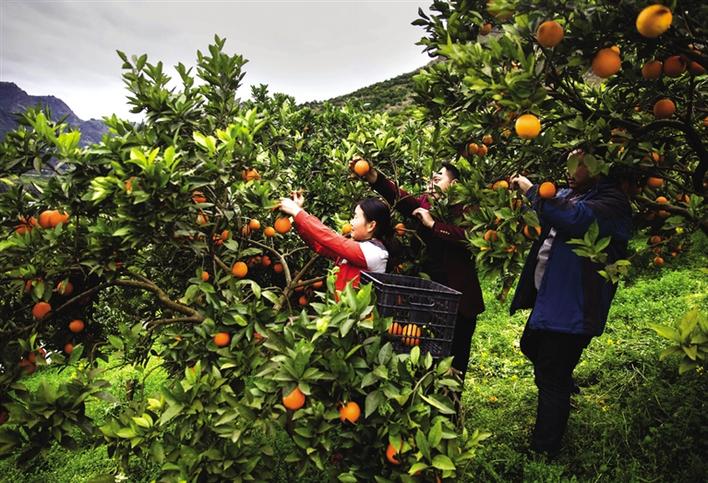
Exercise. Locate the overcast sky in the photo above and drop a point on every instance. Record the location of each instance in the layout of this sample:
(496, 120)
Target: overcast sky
(311, 50)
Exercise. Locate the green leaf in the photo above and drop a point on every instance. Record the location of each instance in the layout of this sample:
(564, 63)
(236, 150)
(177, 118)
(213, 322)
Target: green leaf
(444, 463)
(373, 399)
(435, 435)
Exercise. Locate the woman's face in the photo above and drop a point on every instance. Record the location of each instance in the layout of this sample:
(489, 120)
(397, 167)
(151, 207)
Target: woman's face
(361, 229)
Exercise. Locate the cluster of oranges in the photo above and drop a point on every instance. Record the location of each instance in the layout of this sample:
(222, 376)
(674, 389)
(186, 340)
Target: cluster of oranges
(47, 219)
(481, 150)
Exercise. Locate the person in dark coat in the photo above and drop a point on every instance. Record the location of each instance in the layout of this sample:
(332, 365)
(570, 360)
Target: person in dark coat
(569, 299)
(449, 262)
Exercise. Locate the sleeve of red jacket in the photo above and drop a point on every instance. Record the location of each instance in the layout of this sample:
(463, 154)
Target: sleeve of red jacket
(327, 242)
(401, 199)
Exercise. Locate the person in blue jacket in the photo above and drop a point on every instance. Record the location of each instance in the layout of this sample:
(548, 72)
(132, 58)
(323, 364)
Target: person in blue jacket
(569, 299)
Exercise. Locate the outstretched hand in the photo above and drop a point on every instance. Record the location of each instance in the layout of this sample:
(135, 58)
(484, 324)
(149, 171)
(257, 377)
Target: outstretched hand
(522, 182)
(293, 205)
(424, 216)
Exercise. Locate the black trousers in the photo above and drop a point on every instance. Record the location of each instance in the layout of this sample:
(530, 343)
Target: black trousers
(554, 356)
(461, 341)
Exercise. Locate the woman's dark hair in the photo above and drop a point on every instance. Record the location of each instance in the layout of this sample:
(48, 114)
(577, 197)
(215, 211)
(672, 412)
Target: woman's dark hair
(376, 210)
(452, 169)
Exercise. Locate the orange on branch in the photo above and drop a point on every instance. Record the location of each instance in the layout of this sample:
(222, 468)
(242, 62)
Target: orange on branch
(664, 108)
(655, 182)
(547, 190)
(269, 232)
(40, 310)
(65, 288)
(549, 34)
(76, 326)
(654, 20)
(675, 65)
(527, 126)
(254, 224)
(349, 412)
(204, 276)
(606, 63)
(652, 69)
(222, 339)
(294, 400)
(239, 269)
(361, 167)
(282, 225)
(391, 454)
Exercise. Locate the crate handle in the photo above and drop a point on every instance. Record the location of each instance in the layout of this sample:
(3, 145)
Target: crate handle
(430, 305)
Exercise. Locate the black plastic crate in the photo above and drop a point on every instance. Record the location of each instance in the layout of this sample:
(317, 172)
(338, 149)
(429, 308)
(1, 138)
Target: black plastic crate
(411, 300)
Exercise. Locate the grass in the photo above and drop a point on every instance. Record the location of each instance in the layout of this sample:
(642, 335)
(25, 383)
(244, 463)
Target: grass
(636, 419)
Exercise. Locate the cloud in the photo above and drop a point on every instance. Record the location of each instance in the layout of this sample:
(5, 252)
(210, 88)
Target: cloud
(311, 50)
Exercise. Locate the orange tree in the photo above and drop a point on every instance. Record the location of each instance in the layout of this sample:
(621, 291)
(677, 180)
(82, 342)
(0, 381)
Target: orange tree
(517, 86)
(160, 244)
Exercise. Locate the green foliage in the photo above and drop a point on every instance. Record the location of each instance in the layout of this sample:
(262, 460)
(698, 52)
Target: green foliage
(689, 338)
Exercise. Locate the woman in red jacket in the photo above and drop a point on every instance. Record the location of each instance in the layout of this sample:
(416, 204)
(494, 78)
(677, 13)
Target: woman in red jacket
(365, 251)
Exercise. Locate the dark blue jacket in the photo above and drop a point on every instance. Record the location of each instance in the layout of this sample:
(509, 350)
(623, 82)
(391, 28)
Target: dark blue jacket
(573, 297)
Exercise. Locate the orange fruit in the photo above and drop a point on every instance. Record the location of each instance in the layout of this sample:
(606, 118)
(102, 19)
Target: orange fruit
(202, 219)
(295, 400)
(266, 261)
(547, 190)
(258, 337)
(40, 310)
(411, 334)
(527, 126)
(391, 455)
(65, 287)
(254, 224)
(278, 267)
(282, 225)
(361, 167)
(346, 229)
(269, 231)
(664, 108)
(400, 229)
(490, 236)
(45, 218)
(204, 276)
(652, 69)
(249, 174)
(239, 269)
(76, 326)
(654, 182)
(349, 412)
(56, 217)
(654, 20)
(527, 232)
(487, 139)
(222, 339)
(502, 184)
(485, 29)
(661, 200)
(696, 69)
(472, 148)
(198, 197)
(27, 366)
(655, 239)
(68, 347)
(675, 65)
(606, 63)
(663, 214)
(302, 300)
(549, 34)
(483, 150)
(26, 224)
(658, 261)
(318, 284)
(395, 329)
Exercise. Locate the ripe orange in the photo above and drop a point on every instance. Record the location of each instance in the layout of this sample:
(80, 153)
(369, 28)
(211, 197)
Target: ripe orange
(675, 65)
(654, 182)
(318, 284)
(696, 69)
(391, 455)
(26, 224)
(204, 276)
(527, 232)
(661, 200)
(400, 229)
(222, 339)
(658, 261)
(607, 62)
(65, 287)
(44, 218)
(68, 347)
(652, 69)
(56, 217)
(527, 126)
(278, 267)
(487, 139)
(269, 231)
(547, 190)
(361, 167)
(202, 219)
(295, 400)
(549, 34)
(472, 148)
(266, 261)
(346, 229)
(483, 150)
(249, 174)
(27, 366)
(40, 310)
(654, 20)
(258, 337)
(239, 269)
(282, 225)
(254, 224)
(664, 108)
(485, 29)
(411, 334)
(198, 197)
(655, 239)
(395, 329)
(663, 214)
(502, 184)
(302, 300)
(490, 236)
(76, 326)
(349, 412)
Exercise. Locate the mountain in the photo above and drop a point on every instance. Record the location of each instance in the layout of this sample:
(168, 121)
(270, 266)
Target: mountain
(14, 100)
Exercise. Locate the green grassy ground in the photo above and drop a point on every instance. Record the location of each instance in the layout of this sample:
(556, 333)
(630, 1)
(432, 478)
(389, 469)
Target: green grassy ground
(636, 419)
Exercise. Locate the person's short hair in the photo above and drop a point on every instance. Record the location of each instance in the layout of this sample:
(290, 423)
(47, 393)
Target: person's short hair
(452, 169)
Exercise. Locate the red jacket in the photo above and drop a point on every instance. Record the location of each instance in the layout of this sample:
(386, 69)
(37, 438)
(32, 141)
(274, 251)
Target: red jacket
(352, 257)
(448, 260)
